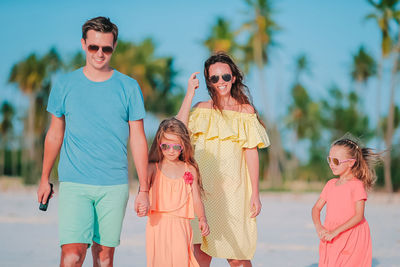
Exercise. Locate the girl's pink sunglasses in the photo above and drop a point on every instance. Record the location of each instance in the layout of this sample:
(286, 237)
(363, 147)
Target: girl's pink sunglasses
(176, 147)
(336, 161)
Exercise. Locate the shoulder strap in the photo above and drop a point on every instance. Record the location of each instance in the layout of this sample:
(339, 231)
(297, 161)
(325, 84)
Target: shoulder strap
(186, 167)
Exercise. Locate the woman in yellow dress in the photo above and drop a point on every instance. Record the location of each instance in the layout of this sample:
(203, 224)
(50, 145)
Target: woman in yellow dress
(226, 133)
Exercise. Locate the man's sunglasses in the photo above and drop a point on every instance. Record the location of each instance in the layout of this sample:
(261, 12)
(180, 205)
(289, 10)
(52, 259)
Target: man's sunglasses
(336, 161)
(106, 49)
(176, 147)
(226, 77)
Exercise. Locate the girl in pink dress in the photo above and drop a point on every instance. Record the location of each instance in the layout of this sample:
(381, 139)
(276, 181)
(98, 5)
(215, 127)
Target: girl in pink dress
(345, 239)
(175, 197)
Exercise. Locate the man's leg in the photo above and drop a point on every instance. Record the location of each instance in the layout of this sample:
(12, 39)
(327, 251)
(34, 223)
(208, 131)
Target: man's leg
(76, 222)
(73, 255)
(102, 256)
(110, 206)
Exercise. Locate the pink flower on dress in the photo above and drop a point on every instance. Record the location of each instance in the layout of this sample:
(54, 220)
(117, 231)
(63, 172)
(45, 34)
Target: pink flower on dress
(188, 177)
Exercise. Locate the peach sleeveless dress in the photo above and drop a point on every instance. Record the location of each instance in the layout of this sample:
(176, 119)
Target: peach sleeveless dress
(351, 248)
(168, 232)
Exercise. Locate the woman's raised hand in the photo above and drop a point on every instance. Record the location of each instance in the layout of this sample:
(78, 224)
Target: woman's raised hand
(193, 83)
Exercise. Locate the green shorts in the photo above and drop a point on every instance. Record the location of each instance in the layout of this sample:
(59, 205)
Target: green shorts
(90, 213)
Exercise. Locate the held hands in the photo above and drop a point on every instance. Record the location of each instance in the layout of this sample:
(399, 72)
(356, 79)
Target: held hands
(321, 231)
(325, 235)
(44, 191)
(193, 83)
(203, 226)
(328, 236)
(255, 205)
(142, 204)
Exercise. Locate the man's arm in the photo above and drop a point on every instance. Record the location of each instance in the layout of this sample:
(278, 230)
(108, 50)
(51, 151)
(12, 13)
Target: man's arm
(52, 146)
(138, 144)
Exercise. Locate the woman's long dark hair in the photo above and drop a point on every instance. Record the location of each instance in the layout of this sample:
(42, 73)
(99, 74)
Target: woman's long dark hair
(239, 91)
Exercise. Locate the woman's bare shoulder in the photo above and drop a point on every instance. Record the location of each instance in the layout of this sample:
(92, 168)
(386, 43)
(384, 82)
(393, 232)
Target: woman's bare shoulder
(203, 104)
(247, 108)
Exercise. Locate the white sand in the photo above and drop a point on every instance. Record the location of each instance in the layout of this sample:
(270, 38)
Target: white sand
(28, 237)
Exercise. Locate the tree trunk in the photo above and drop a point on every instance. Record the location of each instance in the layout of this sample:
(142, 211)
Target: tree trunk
(274, 172)
(390, 123)
(2, 159)
(30, 134)
(378, 102)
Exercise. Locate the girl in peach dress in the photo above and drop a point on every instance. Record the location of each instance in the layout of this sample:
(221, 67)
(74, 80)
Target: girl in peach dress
(345, 239)
(175, 197)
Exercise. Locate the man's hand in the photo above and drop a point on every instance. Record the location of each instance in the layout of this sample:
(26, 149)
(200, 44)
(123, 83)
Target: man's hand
(142, 204)
(44, 191)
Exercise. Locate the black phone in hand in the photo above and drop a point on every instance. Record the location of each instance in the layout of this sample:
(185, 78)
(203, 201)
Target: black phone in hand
(42, 206)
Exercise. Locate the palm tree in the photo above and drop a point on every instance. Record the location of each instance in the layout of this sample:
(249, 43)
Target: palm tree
(304, 113)
(391, 119)
(363, 68)
(156, 75)
(261, 29)
(385, 12)
(222, 38)
(6, 128)
(29, 75)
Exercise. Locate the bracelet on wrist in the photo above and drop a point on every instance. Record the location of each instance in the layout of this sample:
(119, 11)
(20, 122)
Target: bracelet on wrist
(144, 191)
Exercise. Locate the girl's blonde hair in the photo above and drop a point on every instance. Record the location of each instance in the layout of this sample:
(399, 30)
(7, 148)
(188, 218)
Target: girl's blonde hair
(365, 159)
(176, 127)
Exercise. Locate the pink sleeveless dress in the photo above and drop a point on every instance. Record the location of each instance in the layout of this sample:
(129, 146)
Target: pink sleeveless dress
(168, 232)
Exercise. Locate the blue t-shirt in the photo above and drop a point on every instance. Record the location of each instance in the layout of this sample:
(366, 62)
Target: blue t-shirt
(94, 150)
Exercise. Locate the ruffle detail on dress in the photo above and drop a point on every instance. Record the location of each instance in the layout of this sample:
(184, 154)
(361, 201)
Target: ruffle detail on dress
(171, 196)
(231, 125)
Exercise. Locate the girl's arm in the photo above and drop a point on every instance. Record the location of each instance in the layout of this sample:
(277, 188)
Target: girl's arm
(316, 213)
(251, 155)
(193, 84)
(357, 218)
(198, 204)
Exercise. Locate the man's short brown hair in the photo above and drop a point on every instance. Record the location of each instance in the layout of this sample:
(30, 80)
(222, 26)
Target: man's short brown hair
(100, 24)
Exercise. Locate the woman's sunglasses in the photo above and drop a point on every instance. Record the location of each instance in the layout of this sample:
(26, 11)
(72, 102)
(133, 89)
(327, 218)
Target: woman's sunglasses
(176, 147)
(226, 77)
(106, 49)
(336, 161)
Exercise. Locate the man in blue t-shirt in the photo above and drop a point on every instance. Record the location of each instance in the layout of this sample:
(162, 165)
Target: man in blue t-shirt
(95, 111)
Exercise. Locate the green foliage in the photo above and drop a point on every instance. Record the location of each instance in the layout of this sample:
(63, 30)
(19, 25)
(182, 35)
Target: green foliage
(221, 38)
(396, 122)
(364, 66)
(341, 115)
(156, 75)
(395, 170)
(7, 113)
(384, 12)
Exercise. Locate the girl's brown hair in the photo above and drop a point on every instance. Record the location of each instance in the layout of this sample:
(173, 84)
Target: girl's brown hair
(365, 160)
(176, 127)
(239, 91)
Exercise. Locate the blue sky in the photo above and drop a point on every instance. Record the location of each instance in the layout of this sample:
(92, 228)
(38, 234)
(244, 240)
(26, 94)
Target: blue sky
(328, 32)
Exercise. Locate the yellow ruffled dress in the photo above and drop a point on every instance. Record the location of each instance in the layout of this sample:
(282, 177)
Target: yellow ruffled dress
(219, 140)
